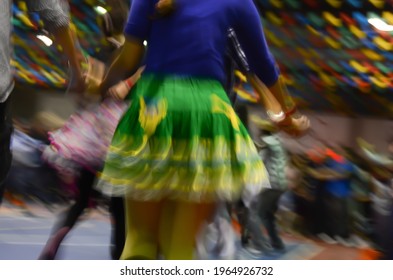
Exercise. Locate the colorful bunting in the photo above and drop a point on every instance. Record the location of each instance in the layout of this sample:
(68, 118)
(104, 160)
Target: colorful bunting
(333, 46)
(327, 49)
(40, 65)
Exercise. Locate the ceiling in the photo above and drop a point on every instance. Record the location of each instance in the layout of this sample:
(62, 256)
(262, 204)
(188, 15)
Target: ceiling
(40, 65)
(332, 58)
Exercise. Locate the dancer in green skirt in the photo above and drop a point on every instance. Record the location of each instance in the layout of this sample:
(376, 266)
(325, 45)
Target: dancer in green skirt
(180, 147)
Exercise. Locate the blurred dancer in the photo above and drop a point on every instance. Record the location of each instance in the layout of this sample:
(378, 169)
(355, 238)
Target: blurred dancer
(72, 151)
(56, 20)
(180, 147)
(29, 177)
(80, 146)
(275, 158)
(336, 174)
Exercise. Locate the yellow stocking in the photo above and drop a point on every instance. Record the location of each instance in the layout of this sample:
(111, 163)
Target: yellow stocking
(142, 225)
(179, 226)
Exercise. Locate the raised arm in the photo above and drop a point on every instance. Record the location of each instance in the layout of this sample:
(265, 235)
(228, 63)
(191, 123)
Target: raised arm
(56, 18)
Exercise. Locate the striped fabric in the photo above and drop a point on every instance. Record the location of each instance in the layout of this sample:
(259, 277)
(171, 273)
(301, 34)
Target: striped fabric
(55, 15)
(235, 59)
(6, 83)
(237, 53)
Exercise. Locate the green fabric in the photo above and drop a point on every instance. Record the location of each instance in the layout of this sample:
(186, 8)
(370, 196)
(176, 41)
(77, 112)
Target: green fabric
(181, 139)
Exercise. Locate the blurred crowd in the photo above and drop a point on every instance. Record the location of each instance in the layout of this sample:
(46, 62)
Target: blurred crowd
(35, 178)
(344, 195)
(338, 195)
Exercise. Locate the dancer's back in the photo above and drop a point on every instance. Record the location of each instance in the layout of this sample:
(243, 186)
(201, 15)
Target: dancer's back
(192, 41)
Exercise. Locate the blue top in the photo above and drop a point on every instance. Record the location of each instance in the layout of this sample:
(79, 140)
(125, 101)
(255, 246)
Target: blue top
(340, 187)
(193, 40)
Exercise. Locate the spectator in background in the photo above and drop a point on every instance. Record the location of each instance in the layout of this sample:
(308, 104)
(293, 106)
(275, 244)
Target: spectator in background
(336, 174)
(56, 20)
(382, 200)
(264, 207)
(287, 205)
(381, 197)
(361, 206)
(30, 179)
(316, 193)
(275, 158)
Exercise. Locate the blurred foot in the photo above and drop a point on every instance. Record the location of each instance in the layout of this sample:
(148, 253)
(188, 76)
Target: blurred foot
(249, 253)
(206, 242)
(252, 252)
(343, 241)
(279, 247)
(50, 250)
(359, 242)
(245, 237)
(326, 238)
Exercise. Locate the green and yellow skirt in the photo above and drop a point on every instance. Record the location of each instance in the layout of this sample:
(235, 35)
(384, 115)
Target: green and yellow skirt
(181, 139)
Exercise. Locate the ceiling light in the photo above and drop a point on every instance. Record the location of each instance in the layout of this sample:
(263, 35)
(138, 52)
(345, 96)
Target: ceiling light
(100, 10)
(45, 39)
(380, 24)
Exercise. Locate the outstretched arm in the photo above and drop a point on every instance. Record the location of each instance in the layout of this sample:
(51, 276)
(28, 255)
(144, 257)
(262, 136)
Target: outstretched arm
(251, 36)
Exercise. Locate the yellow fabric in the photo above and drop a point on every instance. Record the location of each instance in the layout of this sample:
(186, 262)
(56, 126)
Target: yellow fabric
(168, 228)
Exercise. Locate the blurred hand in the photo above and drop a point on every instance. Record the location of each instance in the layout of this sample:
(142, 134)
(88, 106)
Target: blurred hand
(121, 89)
(165, 7)
(118, 91)
(295, 127)
(94, 76)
